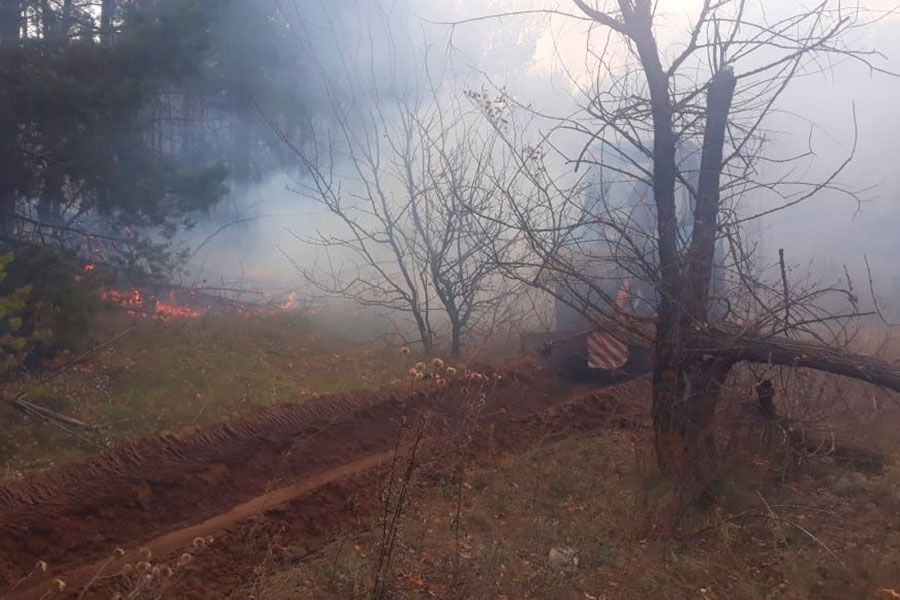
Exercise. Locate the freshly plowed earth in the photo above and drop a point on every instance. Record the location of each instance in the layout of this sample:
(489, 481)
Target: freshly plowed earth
(299, 473)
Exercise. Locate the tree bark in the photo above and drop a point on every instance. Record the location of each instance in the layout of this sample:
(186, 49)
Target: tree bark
(795, 353)
(455, 339)
(67, 15)
(50, 202)
(10, 27)
(10, 22)
(48, 20)
(685, 403)
(667, 387)
(685, 437)
(701, 255)
(107, 9)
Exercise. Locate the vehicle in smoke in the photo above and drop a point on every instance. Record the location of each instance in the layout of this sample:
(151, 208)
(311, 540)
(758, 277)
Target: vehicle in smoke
(613, 263)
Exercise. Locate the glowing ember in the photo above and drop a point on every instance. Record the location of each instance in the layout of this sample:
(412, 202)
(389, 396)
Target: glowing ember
(133, 301)
(172, 311)
(130, 299)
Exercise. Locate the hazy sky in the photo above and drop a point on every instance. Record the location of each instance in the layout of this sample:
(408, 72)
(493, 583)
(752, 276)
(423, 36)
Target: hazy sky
(537, 56)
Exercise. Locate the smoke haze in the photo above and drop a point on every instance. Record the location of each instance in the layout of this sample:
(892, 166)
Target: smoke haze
(540, 60)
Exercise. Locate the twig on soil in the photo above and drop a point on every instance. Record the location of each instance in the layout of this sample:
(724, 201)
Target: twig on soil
(78, 359)
(53, 423)
(802, 529)
(772, 515)
(47, 414)
(90, 584)
(20, 403)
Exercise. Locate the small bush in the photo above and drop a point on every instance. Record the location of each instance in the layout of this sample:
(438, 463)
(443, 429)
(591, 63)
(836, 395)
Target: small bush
(16, 340)
(60, 301)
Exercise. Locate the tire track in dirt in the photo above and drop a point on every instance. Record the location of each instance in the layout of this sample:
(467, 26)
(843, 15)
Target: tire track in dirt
(165, 489)
(269, 541)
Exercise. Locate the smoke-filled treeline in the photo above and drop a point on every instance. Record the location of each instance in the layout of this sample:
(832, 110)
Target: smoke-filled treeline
(123, 121)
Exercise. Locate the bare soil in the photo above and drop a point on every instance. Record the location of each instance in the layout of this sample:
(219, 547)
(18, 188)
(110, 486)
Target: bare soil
(295, 474)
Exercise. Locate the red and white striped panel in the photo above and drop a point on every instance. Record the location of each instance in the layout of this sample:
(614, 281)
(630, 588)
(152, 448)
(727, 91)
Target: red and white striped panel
(605, 351)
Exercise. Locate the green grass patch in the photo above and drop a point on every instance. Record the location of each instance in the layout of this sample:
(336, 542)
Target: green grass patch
(168, 375)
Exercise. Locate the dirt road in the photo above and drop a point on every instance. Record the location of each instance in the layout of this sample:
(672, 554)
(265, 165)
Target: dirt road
(300, 472)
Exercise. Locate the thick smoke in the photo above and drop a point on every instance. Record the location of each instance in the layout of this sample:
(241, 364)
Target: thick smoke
(538, 59)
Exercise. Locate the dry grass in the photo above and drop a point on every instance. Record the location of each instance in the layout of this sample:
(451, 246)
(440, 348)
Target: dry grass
(829, 533)
(825, 528)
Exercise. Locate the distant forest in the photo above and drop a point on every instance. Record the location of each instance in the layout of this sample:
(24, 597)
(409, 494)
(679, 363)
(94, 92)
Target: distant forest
(121, 121)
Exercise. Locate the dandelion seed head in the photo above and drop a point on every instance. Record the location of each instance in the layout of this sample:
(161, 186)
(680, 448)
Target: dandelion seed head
(59, 584)
(404, 351)
(437, 363)
(41, 566)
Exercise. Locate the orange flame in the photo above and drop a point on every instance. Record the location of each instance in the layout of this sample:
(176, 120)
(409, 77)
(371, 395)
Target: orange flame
(133, 302)
(172, 311)
(175, 307)
(124, 298)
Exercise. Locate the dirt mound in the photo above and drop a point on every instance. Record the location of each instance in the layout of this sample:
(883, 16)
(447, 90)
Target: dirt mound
(162, 483)
(165, 489)
(295, 530)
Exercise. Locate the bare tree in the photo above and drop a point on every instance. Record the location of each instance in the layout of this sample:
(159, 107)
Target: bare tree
(401, 168)
(673, 148)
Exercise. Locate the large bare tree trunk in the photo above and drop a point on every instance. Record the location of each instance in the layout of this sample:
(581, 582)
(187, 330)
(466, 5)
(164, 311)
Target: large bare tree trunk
(667, 388)
(684, 413)
(693, 357)
(684, 420)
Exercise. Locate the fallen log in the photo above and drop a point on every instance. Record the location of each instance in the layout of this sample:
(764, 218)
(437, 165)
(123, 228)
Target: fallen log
(784, 351)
